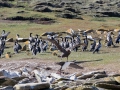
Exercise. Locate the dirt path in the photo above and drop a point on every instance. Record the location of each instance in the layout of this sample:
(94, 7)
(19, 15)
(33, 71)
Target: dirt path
(36, 63)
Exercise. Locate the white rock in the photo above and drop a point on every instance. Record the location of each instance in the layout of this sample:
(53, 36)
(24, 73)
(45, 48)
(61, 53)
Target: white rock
(11, 74)
(73, 77)
(57, 76)
(38, 76)
(32, 86)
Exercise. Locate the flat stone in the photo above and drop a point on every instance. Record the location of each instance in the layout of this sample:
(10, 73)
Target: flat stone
(7, 88)
(117, 78)
(108, 86)
(85, 76)
(9, 82)
(97, 76)
(32, 86)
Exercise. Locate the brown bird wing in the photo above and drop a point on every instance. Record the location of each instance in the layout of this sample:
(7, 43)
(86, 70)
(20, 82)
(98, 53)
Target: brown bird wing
(89, 31)
(79, 44)
(70, 34)
(57, 45)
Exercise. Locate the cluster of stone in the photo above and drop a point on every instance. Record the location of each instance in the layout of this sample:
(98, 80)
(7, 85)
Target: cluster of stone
(42, 80)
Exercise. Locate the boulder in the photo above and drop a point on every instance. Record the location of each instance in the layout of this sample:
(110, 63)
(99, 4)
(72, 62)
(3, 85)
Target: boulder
(44, 9)
(86, 87)
(111, 14)
(97, 76)
(2, 79)
(108, 86)
(7, 88)
(85, 76)
(67, 15)
(71, 88)
(25, 80)
(5, 4)
(38, 76)
(32, 86)
(117, 78)
(9, 82)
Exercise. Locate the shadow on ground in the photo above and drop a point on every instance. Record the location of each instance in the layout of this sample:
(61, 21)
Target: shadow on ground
(88, 61)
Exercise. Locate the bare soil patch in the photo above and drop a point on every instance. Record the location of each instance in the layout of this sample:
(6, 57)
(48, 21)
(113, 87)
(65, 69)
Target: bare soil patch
(112, 68)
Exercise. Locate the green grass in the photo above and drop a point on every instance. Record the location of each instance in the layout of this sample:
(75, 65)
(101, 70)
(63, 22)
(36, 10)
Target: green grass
(105, 56)
(100, 19)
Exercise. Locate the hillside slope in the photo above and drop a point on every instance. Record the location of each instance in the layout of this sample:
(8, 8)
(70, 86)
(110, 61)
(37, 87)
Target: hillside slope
(69, 8)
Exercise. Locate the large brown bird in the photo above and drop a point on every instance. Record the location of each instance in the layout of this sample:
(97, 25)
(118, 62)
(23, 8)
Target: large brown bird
(65, 52)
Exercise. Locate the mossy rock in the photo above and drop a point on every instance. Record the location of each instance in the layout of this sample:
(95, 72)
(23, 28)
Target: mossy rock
(79, 74)
(108, 86)
(107, 82)
(18, 78)
(70, 9)
(60, 88)
(5, 4)
(9, 82)
(97, 76)
(86, 87)
(2, 79)
(108, 79)
(44, 9)
(71, 88)
(88, 83)
(32, 86)
(67, 14)
(85, 76)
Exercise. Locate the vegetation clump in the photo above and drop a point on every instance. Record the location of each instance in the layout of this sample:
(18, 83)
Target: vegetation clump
(5, 4)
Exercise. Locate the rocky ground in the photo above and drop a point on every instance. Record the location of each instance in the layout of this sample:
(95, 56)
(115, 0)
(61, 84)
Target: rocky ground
(35, 63)
(77, 76)
(73, 9)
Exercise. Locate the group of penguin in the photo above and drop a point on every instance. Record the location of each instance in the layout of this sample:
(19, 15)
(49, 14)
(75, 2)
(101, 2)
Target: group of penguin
(38, 44)
(35, 44)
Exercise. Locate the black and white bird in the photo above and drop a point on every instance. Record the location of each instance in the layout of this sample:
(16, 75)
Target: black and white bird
(85, 41)
(45, 46)
(2, 46)
(4, 35)
(117, 40)
(109, 39)
(97, 47)
(92, 46)
(31, 39)
(34, 50)
(78, 39)
(17, 47)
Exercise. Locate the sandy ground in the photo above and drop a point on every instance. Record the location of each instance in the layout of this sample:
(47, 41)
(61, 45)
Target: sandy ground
(73, 68)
